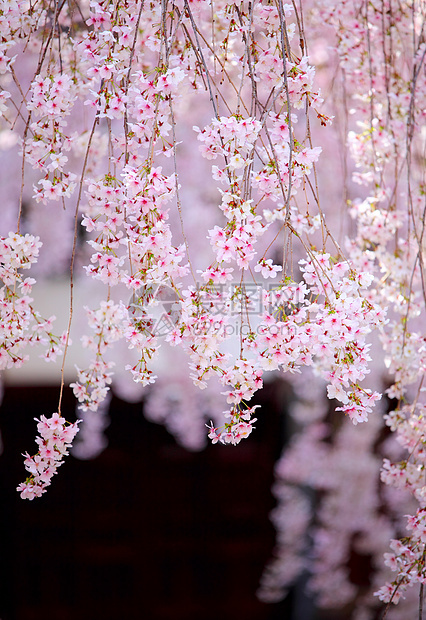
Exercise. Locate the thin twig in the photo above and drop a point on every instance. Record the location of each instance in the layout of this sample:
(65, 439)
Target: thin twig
(74, 246)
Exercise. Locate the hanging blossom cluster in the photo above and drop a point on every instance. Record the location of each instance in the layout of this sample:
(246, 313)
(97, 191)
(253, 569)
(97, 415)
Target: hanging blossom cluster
(406, 559)
(93, 383)
(407, 556)
(56, 436)
(128, 69)
(328, 335)
(129, 65)
(380, 49)
(20, 324)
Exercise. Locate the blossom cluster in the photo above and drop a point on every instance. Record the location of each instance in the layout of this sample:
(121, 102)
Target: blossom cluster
(56, 436)
(132, 72)
(92, 385)
(406, 559)
(21, 325)
(382, 100)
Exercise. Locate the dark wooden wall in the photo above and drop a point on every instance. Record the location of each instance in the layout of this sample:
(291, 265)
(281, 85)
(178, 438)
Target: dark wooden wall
(147, 531)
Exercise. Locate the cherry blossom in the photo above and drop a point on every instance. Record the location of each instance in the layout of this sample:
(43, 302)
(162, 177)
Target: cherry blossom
(251, 273)
(55, 439)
